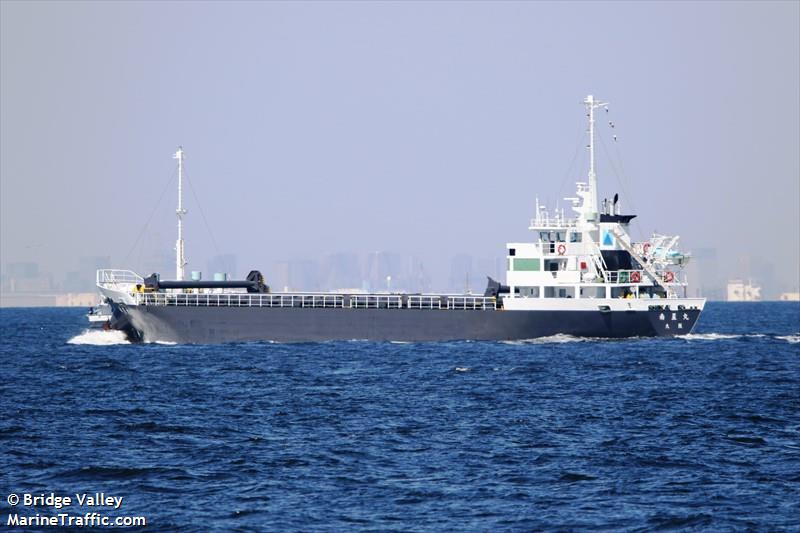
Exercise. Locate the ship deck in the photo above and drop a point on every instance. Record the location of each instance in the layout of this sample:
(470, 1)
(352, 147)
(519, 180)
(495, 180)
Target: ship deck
(320, 300)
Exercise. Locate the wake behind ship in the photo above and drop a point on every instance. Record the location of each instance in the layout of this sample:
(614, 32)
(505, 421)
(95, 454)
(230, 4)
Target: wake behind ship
(581, 275)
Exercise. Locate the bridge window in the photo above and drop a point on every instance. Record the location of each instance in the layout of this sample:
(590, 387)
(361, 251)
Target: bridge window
(512, 251)
(575, 237)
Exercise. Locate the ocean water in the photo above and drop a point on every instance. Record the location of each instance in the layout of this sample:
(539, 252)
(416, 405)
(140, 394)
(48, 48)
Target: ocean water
(699, 433)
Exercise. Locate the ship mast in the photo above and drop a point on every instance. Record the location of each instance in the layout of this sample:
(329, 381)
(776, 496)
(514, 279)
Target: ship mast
(591, 105)
(180, 259)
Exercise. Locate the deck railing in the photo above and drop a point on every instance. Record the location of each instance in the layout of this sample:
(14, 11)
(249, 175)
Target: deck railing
(109, 276)
(376, 301)
(425, 301)
(626, 276)
(552, 222)
(317, 301)
(471, 303)
(639, 276)
(240, 300)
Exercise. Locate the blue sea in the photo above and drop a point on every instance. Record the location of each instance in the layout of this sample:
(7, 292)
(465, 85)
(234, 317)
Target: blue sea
(700, 432)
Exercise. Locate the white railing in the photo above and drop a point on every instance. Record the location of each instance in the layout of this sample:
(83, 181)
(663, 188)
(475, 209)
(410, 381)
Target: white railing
(303, 300)
(630, 276)
(241, 300)
(116, 277)
(317, 301)
(424, 302)
(570, 248)
(376, 301)
(552, 222)
(471, 303)
(626, 276)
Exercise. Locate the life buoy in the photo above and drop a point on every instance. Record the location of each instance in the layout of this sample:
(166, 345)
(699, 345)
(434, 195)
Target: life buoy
(668, 276)
(636, 277)
(562, 249)
(646, 248)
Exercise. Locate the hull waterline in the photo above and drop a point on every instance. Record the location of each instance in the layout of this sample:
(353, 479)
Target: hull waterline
(228, 324)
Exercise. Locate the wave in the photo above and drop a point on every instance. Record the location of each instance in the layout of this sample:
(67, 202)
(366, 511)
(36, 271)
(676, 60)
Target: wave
(791, 339)
(112, 337)
(709, 336)
(559, 338)
(99, 338)
(563, 338)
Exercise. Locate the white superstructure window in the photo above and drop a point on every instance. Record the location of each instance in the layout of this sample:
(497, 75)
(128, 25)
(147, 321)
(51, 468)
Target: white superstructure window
(593, 292)
(529, 292)
(559, 292)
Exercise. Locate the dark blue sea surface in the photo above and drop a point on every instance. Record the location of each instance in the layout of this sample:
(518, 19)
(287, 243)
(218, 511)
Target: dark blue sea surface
(700, 432)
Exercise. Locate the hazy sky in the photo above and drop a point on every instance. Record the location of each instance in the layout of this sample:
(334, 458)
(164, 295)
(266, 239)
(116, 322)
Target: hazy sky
(422, 128)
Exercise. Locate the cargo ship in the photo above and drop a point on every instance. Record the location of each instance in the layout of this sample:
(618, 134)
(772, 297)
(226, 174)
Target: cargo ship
(580, 275)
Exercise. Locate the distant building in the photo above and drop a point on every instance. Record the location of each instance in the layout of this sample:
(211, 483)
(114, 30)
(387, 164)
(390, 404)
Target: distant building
(462, 273)
(703, 275)
(739, 291)
(768, 280)
(24, 269)
(83, 279)
(295, 275)
(341, 270)
(160, 262)
(37, 299)
(26, 299)
(384, 272)
(790, 297)
(77, 281)
(25, 277)
(82, 299)
(419, 280)
(494, 267)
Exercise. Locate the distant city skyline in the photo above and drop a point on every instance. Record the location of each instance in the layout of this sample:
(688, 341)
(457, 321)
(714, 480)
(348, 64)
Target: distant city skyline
(367, 272)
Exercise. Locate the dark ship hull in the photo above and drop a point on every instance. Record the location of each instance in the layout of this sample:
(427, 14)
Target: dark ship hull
(203, 325)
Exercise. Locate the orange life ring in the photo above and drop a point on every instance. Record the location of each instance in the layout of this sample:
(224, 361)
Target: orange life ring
(636, 277)
(668, 276)
(562, 249)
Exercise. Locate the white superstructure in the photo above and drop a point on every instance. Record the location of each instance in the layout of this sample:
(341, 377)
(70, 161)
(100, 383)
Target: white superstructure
(589, 259)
